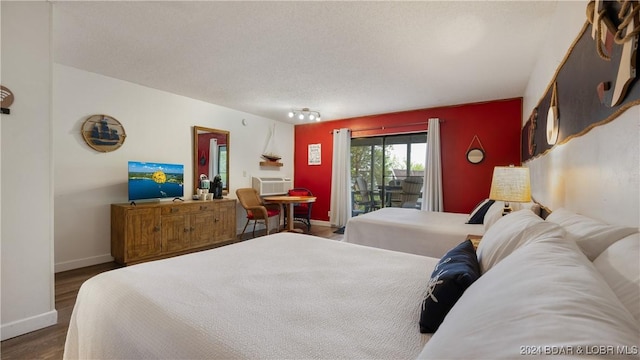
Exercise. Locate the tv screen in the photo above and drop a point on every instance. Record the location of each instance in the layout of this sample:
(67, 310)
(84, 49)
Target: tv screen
(155, 180)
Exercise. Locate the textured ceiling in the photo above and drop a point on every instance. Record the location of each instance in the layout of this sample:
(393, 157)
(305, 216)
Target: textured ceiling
(344, 59)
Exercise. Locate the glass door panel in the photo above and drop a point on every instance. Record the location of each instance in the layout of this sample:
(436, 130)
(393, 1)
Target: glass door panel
(367, 164)
(382, 162)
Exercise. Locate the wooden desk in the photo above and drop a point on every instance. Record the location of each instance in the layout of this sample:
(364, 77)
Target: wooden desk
(290, 200)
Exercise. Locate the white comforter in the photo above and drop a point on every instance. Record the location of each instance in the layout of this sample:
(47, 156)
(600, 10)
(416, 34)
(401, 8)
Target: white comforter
(411, 231)
(280, 296)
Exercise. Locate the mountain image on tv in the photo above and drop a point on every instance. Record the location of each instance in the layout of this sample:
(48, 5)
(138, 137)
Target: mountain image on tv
(155, 180)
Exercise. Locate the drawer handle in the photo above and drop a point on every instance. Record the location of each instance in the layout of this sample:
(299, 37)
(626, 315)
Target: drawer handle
(192, 229)
(174, 210)
(203, 207)
(216, 220)
(186, 230)
(156, 228)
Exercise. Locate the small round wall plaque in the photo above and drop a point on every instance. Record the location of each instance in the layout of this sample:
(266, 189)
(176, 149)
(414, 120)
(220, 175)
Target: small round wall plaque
(7, 97)
(103, 133)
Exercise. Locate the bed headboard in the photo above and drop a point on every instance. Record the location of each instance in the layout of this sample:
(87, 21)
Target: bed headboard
(596, 174)
(594, 167)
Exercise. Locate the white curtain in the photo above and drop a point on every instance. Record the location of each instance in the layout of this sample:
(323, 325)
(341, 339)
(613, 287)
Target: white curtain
(213, 158)
(432, 194)
(341, 178)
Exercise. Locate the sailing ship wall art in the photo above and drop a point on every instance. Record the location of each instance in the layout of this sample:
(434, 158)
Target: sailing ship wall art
(103, 133)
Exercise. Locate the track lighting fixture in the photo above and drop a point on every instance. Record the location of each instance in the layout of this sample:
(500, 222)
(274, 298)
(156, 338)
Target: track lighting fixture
(305, 113)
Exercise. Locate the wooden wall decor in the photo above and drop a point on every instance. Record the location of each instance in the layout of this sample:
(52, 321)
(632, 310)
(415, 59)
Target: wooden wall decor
(586, 81)
(103, 133)
(6, 99)
(528, 134)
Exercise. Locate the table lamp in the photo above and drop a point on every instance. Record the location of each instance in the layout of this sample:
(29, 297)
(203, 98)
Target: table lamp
(510, 184)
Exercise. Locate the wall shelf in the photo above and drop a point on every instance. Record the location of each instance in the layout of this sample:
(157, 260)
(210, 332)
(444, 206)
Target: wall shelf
(270, 163)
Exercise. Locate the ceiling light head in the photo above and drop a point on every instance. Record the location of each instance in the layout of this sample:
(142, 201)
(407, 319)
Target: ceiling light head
(305, 113)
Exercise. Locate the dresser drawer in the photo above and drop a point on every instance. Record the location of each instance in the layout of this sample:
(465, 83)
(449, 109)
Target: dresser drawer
(177, 209)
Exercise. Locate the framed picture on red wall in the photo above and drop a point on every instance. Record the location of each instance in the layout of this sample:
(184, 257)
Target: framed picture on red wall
(314, 154)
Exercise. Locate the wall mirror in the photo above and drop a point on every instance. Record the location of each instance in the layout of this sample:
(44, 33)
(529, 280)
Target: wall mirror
(475, 156)
(210, 156)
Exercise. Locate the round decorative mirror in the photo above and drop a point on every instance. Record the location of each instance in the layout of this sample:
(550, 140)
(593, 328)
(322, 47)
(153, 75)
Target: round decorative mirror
(475, 155)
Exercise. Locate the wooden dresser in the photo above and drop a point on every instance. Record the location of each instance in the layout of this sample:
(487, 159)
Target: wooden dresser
(151, 231)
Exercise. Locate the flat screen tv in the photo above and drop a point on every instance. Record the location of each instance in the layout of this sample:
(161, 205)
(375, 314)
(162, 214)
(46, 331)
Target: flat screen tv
(149, 180)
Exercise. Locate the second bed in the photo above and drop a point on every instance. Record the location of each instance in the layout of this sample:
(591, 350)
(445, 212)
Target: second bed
(411, 231)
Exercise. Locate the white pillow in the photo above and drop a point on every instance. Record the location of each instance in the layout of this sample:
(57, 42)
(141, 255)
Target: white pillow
(545, 297)
(619, 264)
(591, 235)
(493, 214)
(509, 233)
(476, 209)
(535, 208)
(495, 211)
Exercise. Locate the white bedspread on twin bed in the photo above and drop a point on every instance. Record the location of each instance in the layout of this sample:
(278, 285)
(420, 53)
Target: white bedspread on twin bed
(411, 231)
(279, 296)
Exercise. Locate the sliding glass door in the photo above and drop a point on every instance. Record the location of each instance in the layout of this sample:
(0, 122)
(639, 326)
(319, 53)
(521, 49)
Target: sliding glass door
(379, 165)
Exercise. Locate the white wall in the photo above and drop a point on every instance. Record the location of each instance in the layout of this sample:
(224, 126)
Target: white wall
(564, 27)
(26, 162)
(158, 126)
(596, 174)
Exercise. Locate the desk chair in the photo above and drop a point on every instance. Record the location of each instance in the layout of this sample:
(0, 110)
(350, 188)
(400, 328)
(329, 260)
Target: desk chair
(301, 212)
(256, 209)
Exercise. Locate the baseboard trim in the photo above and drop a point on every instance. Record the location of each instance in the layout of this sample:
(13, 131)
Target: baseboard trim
(33, 323)
(320, 222)
(80, 263)
(261, 226)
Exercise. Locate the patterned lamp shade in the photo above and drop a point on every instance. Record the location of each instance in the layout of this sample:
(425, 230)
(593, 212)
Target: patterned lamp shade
(510, 183)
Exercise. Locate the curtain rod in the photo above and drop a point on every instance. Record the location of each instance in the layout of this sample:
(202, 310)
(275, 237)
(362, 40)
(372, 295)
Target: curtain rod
(390, 126)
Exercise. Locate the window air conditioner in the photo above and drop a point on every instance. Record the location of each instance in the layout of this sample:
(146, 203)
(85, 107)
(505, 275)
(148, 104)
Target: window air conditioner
(271, 185)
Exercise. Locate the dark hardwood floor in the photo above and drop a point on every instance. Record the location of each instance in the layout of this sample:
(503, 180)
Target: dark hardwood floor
(48, 343)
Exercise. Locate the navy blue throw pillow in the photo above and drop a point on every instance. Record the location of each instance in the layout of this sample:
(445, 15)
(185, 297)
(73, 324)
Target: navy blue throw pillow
(455, 272)
(477, 215)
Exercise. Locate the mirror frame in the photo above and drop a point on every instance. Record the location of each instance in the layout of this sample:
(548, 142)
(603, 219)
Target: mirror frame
(474, 154)
(196, 176)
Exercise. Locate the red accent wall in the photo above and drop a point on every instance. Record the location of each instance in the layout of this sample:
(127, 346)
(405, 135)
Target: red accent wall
(496, 123)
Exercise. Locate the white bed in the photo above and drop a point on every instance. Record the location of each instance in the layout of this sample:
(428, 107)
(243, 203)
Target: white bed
(282, 296)
(411, 231)
(568, 285)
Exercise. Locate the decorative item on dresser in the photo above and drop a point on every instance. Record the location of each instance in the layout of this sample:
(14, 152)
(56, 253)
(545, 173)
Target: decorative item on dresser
(151, 231)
